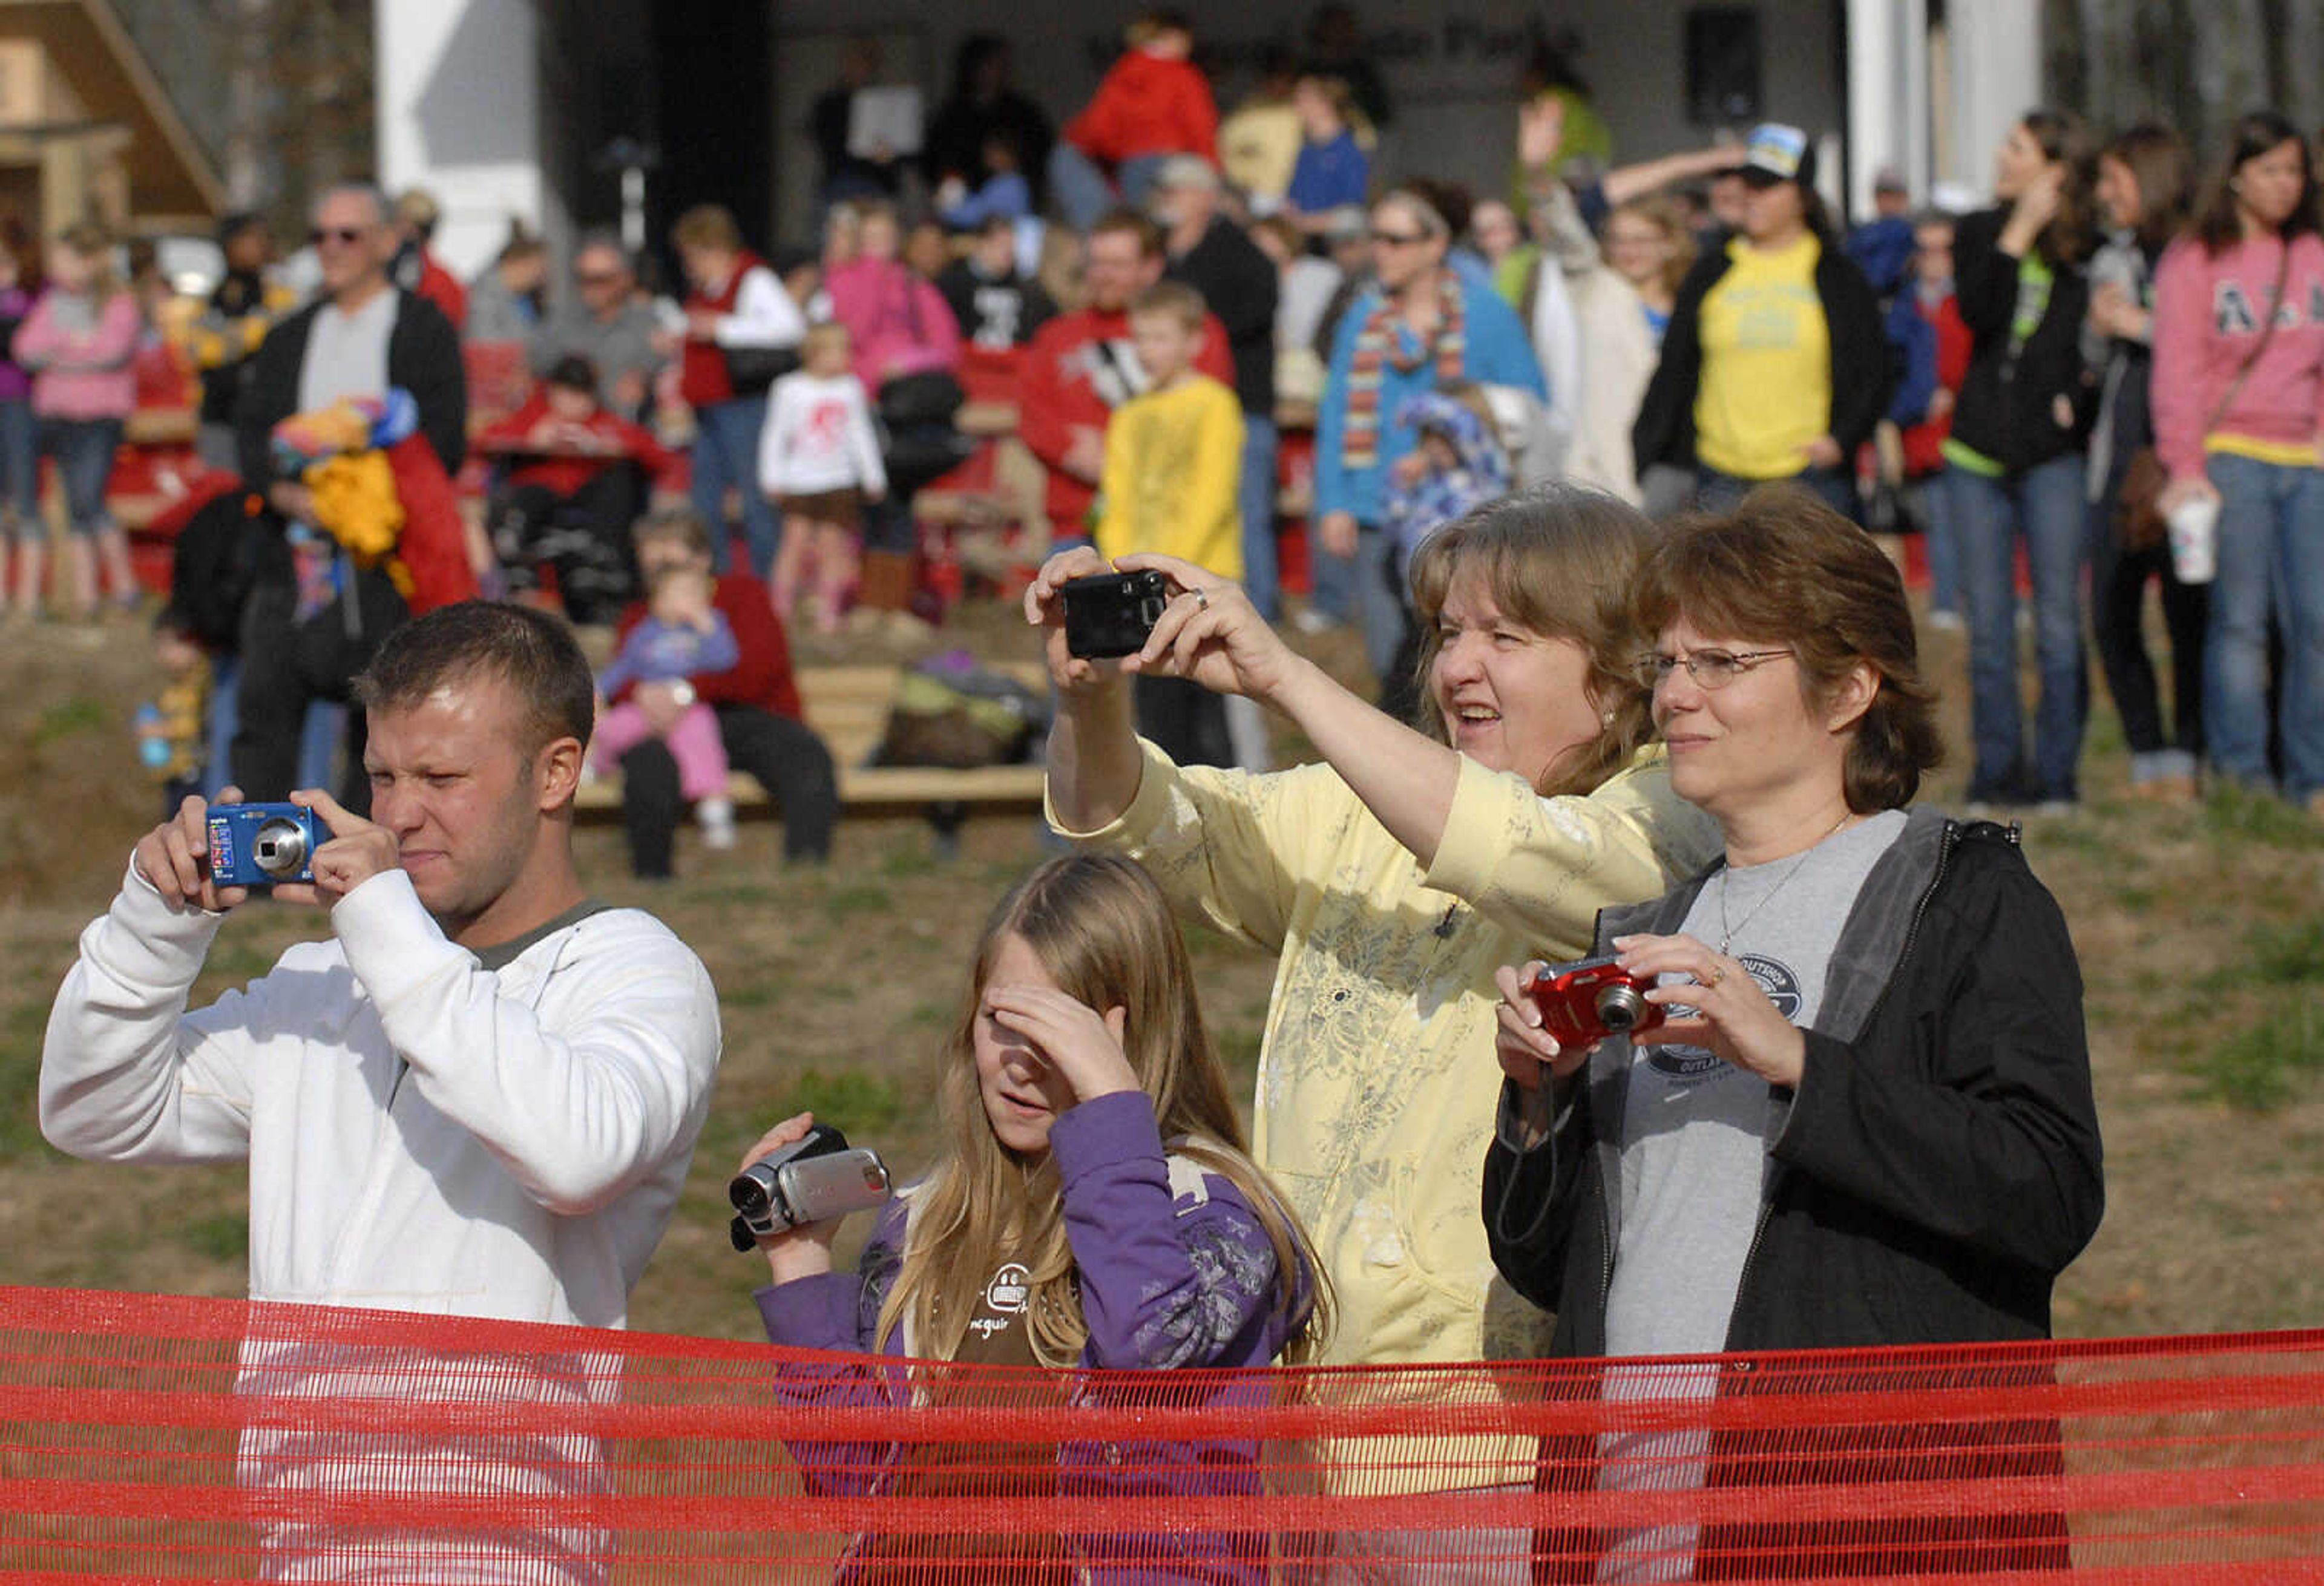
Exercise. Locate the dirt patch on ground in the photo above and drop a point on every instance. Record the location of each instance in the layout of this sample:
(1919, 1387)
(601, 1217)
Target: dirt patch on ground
(2197, 931)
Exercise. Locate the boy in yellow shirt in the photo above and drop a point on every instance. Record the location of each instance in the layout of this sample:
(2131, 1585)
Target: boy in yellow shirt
(1173, 461)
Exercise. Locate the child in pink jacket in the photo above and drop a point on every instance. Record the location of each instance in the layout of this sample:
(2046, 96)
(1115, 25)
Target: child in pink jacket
(79, 341)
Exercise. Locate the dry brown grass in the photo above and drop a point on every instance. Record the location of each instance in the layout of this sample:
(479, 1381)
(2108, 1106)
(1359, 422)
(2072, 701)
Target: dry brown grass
(2194, 928)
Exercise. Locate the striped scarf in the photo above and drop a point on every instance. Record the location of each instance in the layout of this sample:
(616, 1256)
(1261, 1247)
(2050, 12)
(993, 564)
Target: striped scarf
(1384, 342)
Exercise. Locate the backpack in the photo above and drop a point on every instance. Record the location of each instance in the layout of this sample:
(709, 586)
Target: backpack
(214, 561)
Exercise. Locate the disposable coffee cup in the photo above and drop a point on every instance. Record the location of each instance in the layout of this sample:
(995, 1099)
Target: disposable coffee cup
(2194, 526)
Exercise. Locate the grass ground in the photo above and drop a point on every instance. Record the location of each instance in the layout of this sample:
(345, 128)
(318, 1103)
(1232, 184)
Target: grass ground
(2199, 931)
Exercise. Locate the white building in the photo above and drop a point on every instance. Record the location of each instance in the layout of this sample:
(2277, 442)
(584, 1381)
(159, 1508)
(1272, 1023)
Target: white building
(501, 106)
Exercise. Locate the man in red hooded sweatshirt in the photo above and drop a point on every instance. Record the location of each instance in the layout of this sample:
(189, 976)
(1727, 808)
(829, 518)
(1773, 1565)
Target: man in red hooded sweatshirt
(1081, 366)
(1153, 104)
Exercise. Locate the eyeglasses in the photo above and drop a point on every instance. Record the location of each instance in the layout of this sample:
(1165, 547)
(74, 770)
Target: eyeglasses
(597, 278)
(344, 235)
(1711, 669)
(1399, 239)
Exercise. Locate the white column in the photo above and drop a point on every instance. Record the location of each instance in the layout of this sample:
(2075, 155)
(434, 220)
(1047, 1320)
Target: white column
(1888, 97)
(458, 88)
(1997, 77)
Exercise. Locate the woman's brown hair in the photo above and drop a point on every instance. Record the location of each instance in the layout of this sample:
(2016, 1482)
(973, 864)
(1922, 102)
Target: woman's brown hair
(1560, 561)
(2163, 171)
(1785, 570)
(2072, 232)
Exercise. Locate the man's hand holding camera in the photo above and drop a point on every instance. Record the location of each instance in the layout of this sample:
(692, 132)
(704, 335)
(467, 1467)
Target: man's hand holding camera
(175, 856)
(358, 850)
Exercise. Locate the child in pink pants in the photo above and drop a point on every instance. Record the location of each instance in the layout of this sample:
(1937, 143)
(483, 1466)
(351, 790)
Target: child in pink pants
(683, 634)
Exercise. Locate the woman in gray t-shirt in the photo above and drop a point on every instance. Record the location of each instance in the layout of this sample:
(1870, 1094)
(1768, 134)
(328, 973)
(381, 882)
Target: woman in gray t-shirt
(1865, 1116)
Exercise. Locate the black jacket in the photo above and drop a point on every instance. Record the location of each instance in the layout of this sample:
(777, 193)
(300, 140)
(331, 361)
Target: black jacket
(1863, 365)
(1936, 1169)
(1240, 284)
(2007, 401)
(423, 357)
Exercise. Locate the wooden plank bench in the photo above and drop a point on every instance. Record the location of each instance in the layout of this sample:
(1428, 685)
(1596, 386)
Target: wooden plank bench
(847, 706)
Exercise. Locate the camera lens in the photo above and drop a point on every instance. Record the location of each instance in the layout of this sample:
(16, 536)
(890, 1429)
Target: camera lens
(279, 847)
(1619, 1008)
(748, 1191)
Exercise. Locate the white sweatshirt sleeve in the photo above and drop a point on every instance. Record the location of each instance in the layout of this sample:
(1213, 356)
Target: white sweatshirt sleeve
(577, 1115)
(864, 440)
(127, 1074)
(764, 315)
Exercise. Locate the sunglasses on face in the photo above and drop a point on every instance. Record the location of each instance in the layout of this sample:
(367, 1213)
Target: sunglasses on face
(597, 278)
(344, 235)
(1399, 239)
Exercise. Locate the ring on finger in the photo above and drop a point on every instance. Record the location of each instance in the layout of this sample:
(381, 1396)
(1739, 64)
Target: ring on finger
(1202, 599)
(1717, 973)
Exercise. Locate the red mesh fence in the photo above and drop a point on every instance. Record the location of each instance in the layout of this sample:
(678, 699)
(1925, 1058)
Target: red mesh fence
(146, 1436)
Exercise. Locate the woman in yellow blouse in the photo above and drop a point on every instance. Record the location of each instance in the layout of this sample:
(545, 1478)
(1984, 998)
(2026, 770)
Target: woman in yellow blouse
(1393, 878)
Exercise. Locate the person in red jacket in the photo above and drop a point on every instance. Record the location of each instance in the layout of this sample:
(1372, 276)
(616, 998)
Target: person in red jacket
(577, 476)
(757, 703)
(417, 270)
(1081, 366)
(1153, 104)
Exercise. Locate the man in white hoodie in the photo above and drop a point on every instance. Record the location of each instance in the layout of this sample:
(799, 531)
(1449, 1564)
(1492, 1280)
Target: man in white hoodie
(478, 1096)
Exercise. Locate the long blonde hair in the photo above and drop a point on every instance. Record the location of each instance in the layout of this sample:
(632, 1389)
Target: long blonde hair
(1103, 931)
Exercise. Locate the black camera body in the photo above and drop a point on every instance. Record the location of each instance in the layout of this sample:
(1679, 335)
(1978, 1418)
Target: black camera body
(814, 1179)
(1109, 614)
(262, 844)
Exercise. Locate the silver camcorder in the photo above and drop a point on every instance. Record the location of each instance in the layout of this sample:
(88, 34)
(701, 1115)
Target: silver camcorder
(812, 1179)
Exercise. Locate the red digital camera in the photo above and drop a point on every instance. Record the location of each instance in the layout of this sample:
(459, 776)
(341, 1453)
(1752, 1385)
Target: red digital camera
(1584, 1003)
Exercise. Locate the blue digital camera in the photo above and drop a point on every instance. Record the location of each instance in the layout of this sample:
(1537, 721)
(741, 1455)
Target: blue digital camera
(261, 844)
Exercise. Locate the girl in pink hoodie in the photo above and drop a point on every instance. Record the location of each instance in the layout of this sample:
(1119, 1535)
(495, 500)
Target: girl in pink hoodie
(79, 341)
(2236, 417)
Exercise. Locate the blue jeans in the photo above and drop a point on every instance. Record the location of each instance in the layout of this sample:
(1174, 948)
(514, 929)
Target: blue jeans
(1377, 601)
(1261, 577)
(83, 448)
(1941, 543)
(20, 466)
(726, 452)
(1083, 192)
(2044, 506)
(2271, 563)
(1722, 493)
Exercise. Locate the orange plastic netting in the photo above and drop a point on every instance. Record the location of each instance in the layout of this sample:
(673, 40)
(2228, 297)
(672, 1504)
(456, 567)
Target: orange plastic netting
(149, 1435)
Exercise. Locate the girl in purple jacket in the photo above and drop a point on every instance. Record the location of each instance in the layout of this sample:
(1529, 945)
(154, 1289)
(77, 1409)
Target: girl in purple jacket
(1095, 1207)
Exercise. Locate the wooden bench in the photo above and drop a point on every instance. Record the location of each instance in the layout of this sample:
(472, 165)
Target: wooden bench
(847, 706)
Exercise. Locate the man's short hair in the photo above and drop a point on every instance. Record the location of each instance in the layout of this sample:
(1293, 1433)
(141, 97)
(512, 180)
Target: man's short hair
(1130, 222)
(231, 227)
(1175, 299)
(708, 225)
(601, 236)
(1187, 171)
(680, 523)
(531, 652)
(370, 192)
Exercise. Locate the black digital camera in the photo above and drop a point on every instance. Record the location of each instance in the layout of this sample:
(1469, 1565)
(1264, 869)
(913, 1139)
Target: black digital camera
(262, 844)
(1109, 614)
(812, 1179)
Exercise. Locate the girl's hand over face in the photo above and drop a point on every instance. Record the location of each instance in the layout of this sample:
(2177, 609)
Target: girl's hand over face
(1083, 1046)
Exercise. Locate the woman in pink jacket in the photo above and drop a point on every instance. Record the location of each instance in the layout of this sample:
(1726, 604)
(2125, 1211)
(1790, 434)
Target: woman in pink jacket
(900, 323)
(79, 341)
(2237, 417)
